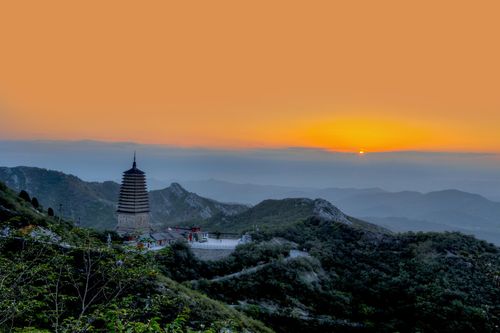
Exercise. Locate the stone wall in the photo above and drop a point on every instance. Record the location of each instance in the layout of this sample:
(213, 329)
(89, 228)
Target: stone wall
(211, 254)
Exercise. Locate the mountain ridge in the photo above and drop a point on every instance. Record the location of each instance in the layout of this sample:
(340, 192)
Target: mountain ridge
(93, 204)
(445, 210)
(273, 214)
(450, 209)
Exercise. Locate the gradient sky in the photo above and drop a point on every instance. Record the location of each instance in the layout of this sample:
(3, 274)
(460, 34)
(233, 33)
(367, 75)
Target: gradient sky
(350, 75)
(302, 167)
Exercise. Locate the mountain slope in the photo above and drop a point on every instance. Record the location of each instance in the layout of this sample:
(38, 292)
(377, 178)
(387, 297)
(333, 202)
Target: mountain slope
(349, 278)
(434, 206)
(94, 204)
(272, 214)
(175, 205)
(449, 207)
(450, 210)
(58, 277)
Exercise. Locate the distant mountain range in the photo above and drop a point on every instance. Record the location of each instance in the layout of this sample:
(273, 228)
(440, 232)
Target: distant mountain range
(448, 210)
(252, 194)
(93, 204)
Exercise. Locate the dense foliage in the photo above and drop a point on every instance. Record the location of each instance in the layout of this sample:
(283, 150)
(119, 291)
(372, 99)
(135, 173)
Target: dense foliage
(56, 277)
(361, 280)
(179, 263)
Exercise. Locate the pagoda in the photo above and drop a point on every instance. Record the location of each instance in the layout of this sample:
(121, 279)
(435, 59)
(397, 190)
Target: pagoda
(133, 204)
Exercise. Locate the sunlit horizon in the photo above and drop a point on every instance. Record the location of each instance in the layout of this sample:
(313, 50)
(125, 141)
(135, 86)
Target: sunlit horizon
(329, 75)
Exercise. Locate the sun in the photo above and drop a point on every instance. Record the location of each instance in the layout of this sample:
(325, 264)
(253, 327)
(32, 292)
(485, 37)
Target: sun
(361, 152)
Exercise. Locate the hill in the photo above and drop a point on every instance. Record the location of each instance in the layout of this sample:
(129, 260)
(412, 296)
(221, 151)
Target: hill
(449, 210)
(94, 204)
(353, 279)
(58, 277)
(273, 214)
(174, 205)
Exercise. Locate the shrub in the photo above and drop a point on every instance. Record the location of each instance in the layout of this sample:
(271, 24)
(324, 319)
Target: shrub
(35, 203)
(25, 196)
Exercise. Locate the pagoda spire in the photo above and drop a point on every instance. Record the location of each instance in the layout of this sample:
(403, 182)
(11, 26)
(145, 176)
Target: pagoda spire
(135, 164)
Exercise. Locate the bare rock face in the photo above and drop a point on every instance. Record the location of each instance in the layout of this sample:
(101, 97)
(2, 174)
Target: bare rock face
(326, 211)
(175, 204)
(177, 190)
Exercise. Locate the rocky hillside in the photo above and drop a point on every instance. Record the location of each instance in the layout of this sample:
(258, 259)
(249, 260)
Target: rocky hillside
(272, 214)
(174, 205)
(447, 210)
(94, 204)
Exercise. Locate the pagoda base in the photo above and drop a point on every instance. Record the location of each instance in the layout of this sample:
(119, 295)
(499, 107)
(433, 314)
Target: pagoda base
(133, 224)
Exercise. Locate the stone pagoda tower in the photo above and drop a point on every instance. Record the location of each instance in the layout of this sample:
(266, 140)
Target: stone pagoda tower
(133, 204)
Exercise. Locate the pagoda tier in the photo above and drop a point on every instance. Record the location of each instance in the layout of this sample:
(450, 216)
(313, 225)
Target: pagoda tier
(133, 193)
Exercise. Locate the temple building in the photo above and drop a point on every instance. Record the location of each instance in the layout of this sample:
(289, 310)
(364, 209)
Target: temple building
(133, 204)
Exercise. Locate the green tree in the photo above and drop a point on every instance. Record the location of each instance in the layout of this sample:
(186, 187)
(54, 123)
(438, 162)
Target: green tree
(25, 196)
(35, 203)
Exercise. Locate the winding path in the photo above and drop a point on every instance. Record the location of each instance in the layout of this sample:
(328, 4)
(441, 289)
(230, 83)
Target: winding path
(293, 254)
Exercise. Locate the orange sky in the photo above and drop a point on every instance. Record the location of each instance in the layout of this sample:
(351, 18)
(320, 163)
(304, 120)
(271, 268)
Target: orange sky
(350, 75)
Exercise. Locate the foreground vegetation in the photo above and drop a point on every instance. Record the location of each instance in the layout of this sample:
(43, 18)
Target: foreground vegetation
(56, 277)
(349, 277)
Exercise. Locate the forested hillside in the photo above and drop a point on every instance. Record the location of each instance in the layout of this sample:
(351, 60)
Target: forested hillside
(277, 214)
(350, 279)
(55, 277)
